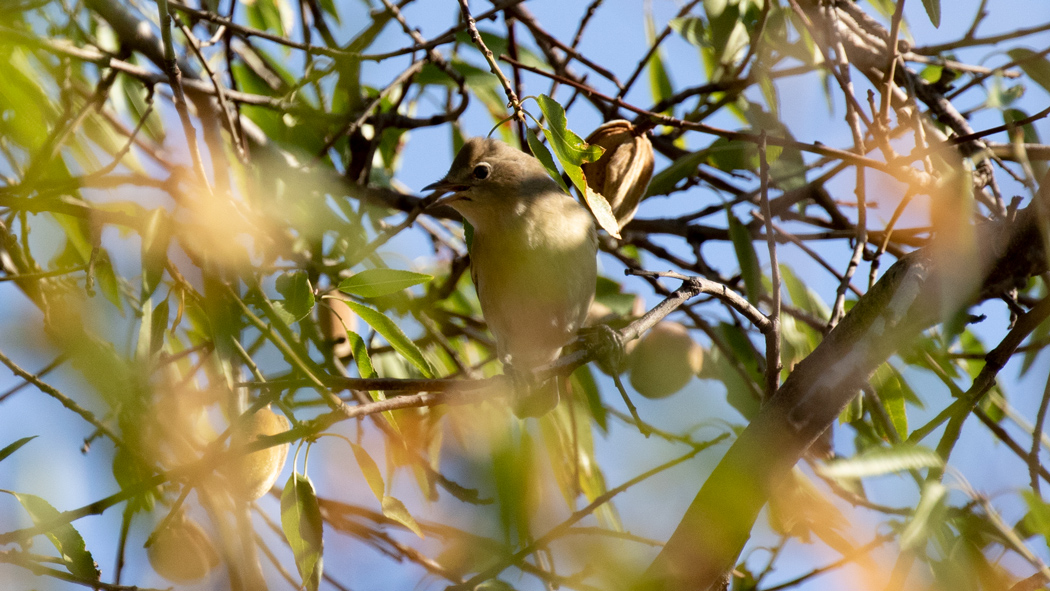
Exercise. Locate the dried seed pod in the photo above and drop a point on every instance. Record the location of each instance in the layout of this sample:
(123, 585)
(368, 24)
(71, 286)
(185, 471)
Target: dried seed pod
(254, 474)
(335, 319)
(623, 172)
(182, 552)
(664, 360)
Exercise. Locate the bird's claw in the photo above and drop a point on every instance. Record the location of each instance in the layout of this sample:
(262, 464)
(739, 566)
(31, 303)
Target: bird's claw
(607, 347)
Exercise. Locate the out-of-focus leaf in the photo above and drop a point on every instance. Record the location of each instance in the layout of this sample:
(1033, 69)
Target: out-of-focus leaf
(883, 460)
(750, 269)
(266, 15)
(929, 515)
(933, 10)
(729, 155)
(298, 295)
(691, 28)
(1028, 135)
(889, 385)
(1037, 521)
(393, 335)
(107, 279)
(66, 539)
(610, 293)
(1034, 65)
(158, 324)
(155, 237)
(373, 283)
(583, 379)
(303, 528)
(12, 448)
(659, 82)
(514, 477)
(370, 470)
(684, 167)
(396, 510)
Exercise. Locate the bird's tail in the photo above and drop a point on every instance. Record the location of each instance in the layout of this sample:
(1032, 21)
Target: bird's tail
(537, 400)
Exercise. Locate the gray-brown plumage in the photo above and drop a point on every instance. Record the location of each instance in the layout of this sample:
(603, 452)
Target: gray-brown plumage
(533, 258)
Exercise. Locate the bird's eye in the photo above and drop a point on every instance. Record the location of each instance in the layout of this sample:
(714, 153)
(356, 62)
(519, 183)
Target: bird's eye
(481, 172)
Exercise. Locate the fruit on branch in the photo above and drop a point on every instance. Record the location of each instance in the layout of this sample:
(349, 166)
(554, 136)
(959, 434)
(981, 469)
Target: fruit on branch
(623, 172)
(255, 474)
(664, 360)
(182, 552)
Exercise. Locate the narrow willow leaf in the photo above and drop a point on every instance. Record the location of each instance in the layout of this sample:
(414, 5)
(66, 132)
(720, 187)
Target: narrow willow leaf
(10, 449)
(66, 539)
(397, 339)
(396, 510)
(887, 382)
(155, 237)
(373, 283)
(659, 82)
(933, 10)
(883, 460)
(302, 525)
(750, 269)
(370, 470)
(684, 167)
(928, 516)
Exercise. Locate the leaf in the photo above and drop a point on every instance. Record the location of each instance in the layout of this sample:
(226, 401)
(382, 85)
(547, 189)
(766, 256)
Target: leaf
(750, 269)
(665, 181)
(933, 10)
(928, 515)
(370, 470)
(393, 335)
(572, 151)
(542, 154)
(883, 460)
(396, 510)
(1034, 65)
(155, 236)
(583, 379)
(889, 385)
(66, 539)
(10, 449)
(691, 28)
(659, 82)
(303, 528)
(158, 324)
(373, 283)
(298, 294)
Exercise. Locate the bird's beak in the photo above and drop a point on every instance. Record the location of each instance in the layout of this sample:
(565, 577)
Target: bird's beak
(447, 190)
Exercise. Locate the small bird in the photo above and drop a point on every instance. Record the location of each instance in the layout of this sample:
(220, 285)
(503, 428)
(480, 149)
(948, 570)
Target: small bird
(533, 257)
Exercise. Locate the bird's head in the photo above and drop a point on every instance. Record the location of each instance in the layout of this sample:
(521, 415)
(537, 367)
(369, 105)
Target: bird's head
(488, 178)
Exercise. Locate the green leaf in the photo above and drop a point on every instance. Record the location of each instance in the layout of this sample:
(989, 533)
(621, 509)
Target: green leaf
(393, 335)
(396, 510)
(929, 514)
(883, 460)
(1038, 518)
(750, 269)
(659, 82)
(572, 152)
(728, 155)
(303, 528)
(691, 28)
(1034, 65)
(155, 237)
(889, 385)
(373, 283)
(370, 470)
(298, 294)
(542, 154)
(66, 539)
(933, 10)
(665, 181)
(583, 379)
(158, 324)
(10, 449)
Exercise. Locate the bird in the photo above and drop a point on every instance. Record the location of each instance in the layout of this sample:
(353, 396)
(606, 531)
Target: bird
(533, 259)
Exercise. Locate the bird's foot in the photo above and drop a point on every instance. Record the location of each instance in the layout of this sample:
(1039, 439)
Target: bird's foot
(607, 347)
